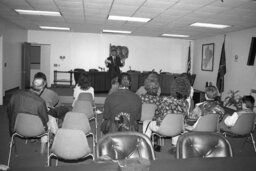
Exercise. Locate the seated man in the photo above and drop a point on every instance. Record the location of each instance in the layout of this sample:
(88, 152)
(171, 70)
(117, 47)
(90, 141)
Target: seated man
(51, 99)
(210, 106)
(29, 101)
(122, 108)
(247, 108)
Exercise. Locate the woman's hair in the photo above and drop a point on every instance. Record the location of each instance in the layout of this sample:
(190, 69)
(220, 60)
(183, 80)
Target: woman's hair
(84, 81)
(180, 88)
(151, 86)
(248, 101)
(211, 92)
(124, 80)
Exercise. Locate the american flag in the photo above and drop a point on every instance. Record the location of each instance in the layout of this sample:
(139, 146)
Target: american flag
(189, 61)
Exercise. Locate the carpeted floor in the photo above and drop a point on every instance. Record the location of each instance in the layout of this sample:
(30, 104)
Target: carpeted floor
(28, 154)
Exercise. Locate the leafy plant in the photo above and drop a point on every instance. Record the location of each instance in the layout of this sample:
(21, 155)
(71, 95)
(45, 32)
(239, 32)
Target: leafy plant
(233, 99)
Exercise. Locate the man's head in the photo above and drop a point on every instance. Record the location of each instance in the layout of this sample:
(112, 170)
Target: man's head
(38, 85)
(40, 75)
(211, 92)
(113, 52)
(124, 80)
(248, 102)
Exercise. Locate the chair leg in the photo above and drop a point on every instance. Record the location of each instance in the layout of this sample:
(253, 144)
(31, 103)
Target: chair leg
(10, 150)
(253, 142)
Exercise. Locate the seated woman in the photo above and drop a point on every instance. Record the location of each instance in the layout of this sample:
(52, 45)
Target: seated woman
(210, 106)
(247, 108)
(150, 77)
(174, 104)
(151, 87)
(83, 86)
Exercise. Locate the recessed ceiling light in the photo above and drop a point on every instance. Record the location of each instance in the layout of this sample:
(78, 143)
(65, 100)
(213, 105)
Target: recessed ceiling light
(174, 35)
(34, 12)
(116, 31)
(209, 25)
(123, 18)
(54, 28)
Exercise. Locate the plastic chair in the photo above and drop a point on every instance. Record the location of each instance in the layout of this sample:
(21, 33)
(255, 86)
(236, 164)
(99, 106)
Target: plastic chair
(172, 125)
(125, 145)
(147, 111)
(27, 126)
(69, 144)
(86, 97)
(79, 121)
(203, 145)
(243, 127)
(206, 123)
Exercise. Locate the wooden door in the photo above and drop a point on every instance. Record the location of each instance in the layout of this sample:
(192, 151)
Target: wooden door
(26, 55)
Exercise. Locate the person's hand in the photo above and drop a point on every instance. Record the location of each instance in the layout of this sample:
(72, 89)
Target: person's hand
(107, 62)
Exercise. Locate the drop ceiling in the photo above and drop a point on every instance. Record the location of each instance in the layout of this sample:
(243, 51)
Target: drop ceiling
(167, 16)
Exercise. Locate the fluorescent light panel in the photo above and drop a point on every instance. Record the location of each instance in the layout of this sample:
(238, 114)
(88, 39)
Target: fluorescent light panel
(116, 31)
(123, 18)
(54, 28)
(209, 25)
(174, 35)
(34, 12)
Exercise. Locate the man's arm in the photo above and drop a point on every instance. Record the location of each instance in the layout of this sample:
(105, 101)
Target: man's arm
(231, 120)
(42, 112)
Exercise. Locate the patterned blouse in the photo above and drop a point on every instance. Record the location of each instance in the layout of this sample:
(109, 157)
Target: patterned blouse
(146, 98)
(207, 107)
(170, 105)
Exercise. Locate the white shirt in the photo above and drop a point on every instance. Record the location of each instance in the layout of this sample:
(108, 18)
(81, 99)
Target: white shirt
(78, 90)
(231, 120)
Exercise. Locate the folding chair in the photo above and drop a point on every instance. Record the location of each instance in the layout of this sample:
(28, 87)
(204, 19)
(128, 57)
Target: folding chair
(27, 126)
(79, 121)
(69, 144)
(172, 125)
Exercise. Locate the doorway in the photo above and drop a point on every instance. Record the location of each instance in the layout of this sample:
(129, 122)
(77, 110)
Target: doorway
(35, 58)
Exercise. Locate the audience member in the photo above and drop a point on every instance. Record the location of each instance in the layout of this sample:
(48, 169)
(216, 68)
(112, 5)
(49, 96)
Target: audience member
(114, 85)
(151, 96)
(210, 106)
(174, 104)
(122, 109)
(52, 99)
(247, 108)
(29, 101)
(83, 86)
(152, 77)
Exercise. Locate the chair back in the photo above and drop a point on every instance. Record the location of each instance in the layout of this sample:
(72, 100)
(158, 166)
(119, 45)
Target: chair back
(172, 125)
(125, 145)
(85, 107)
(74, 120)
(28, 125)
(70, 144)
(86, 97)
(203, 145)
(207, 123)
(244, 124)
(148, 111)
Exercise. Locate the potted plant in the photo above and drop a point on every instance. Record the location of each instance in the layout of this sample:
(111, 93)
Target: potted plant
(233, 100)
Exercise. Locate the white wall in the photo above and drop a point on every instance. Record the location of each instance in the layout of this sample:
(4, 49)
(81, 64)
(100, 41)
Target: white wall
(1, 69)
(88, 51)
(239, 76)
(13, 37)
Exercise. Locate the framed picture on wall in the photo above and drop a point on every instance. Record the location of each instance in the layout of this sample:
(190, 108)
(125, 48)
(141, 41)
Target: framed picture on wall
(207, 57)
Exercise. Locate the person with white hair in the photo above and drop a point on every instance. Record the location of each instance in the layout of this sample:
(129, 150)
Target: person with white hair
(30, 102)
